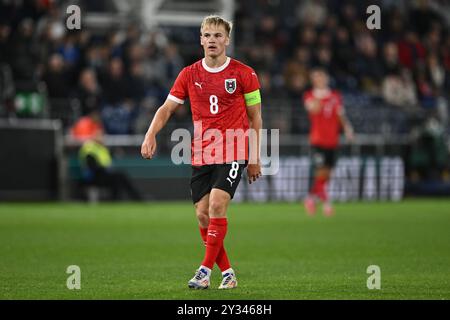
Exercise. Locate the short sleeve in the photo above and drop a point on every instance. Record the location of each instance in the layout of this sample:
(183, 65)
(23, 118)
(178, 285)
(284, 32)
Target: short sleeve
(179, 91)
(250, 81)
(250, 84)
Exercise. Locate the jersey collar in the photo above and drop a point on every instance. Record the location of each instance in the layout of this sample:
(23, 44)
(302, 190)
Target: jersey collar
(218, 69)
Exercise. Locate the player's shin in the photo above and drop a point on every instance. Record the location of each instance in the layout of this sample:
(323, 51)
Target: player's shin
(214, 241)
(319, 186)
(222, 258)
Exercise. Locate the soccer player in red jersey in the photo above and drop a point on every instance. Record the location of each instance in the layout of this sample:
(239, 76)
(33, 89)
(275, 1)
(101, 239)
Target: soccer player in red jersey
(327, 117)
(224, 95)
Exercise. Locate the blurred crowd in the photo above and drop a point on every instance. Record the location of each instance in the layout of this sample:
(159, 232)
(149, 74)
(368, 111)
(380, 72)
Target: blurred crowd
(119, 76)
(122, 75)
(407, 61)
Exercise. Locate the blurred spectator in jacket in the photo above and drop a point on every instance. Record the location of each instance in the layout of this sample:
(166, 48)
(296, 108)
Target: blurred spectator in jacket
(98, 170)
(398, 89)
(89, 92)
(56, 77)
(24, 52)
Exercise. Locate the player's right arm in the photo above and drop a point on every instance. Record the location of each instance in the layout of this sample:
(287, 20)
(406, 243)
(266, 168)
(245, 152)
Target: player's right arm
(163, 114)
(313, 105)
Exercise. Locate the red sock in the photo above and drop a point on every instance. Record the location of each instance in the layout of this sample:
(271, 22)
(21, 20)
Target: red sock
(222, 259)
(203, 233)
(320, 188)
(214, 240)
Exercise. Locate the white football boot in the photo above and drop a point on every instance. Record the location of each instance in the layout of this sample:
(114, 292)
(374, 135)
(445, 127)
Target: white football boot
(229, 280)
(200, 279)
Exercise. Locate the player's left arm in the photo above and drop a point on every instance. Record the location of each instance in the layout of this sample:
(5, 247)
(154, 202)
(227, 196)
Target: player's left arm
(346, 126)
(252, 97)
(255, 123)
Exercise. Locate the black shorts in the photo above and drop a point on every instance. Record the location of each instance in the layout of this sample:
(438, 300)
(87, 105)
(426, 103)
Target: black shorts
(323, 157)
(225, 177)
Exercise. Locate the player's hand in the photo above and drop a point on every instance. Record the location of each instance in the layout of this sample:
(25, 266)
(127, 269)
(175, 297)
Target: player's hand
(148, 147)
(253, 172)
(350, 135)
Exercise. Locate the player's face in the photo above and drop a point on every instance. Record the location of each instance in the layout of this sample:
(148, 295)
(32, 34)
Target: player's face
(319, 79)
(214, 40)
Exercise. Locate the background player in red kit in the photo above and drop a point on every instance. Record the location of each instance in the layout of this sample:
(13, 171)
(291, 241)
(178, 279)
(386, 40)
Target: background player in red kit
(224, 95)
(327, 117)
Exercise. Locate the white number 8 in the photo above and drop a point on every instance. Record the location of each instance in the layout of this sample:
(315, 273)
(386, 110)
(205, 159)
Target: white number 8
(234, 170)
(214, 104)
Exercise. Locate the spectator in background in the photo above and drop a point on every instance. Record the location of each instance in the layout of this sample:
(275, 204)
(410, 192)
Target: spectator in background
(439, 80)
(426, 91)
(323, 59)
(348, 15)
(303, 56)
(312, 12)
(295, 79)
(390, 58)
(410, 50)
(172, 63)
(424, 17)
(343, 57)
(69, 51)
(24, 53)
(5, 32)
(445, 52)
(135, 53)
(399, 90)
(97, 169)
(368, 66)
(429, 155)
(138, 83)
(87, 127)
(265, 81)
(307, 36)
(95, 57)
(114, 83)
(89, 92)
(436, 73)
(433, 40)
(7, 90)
(56, 77)
(267, 33)
(119, 110)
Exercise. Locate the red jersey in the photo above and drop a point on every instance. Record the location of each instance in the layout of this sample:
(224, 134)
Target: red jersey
(217, 104)
(325, 124)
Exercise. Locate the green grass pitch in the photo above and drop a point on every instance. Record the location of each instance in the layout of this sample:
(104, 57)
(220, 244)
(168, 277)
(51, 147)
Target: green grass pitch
(150, 251)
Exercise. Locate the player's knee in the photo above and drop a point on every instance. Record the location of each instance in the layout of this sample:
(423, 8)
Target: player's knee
(323, 172)
(217, 208)
(202, 217)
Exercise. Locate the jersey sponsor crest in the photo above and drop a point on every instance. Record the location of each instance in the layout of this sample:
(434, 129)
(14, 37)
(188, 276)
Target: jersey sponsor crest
(230, 85)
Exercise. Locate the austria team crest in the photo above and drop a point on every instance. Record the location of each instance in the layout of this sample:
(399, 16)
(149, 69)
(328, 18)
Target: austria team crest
(230, 85)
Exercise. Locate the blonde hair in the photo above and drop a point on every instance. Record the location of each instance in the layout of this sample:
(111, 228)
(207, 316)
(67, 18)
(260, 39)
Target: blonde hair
(217, 21)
